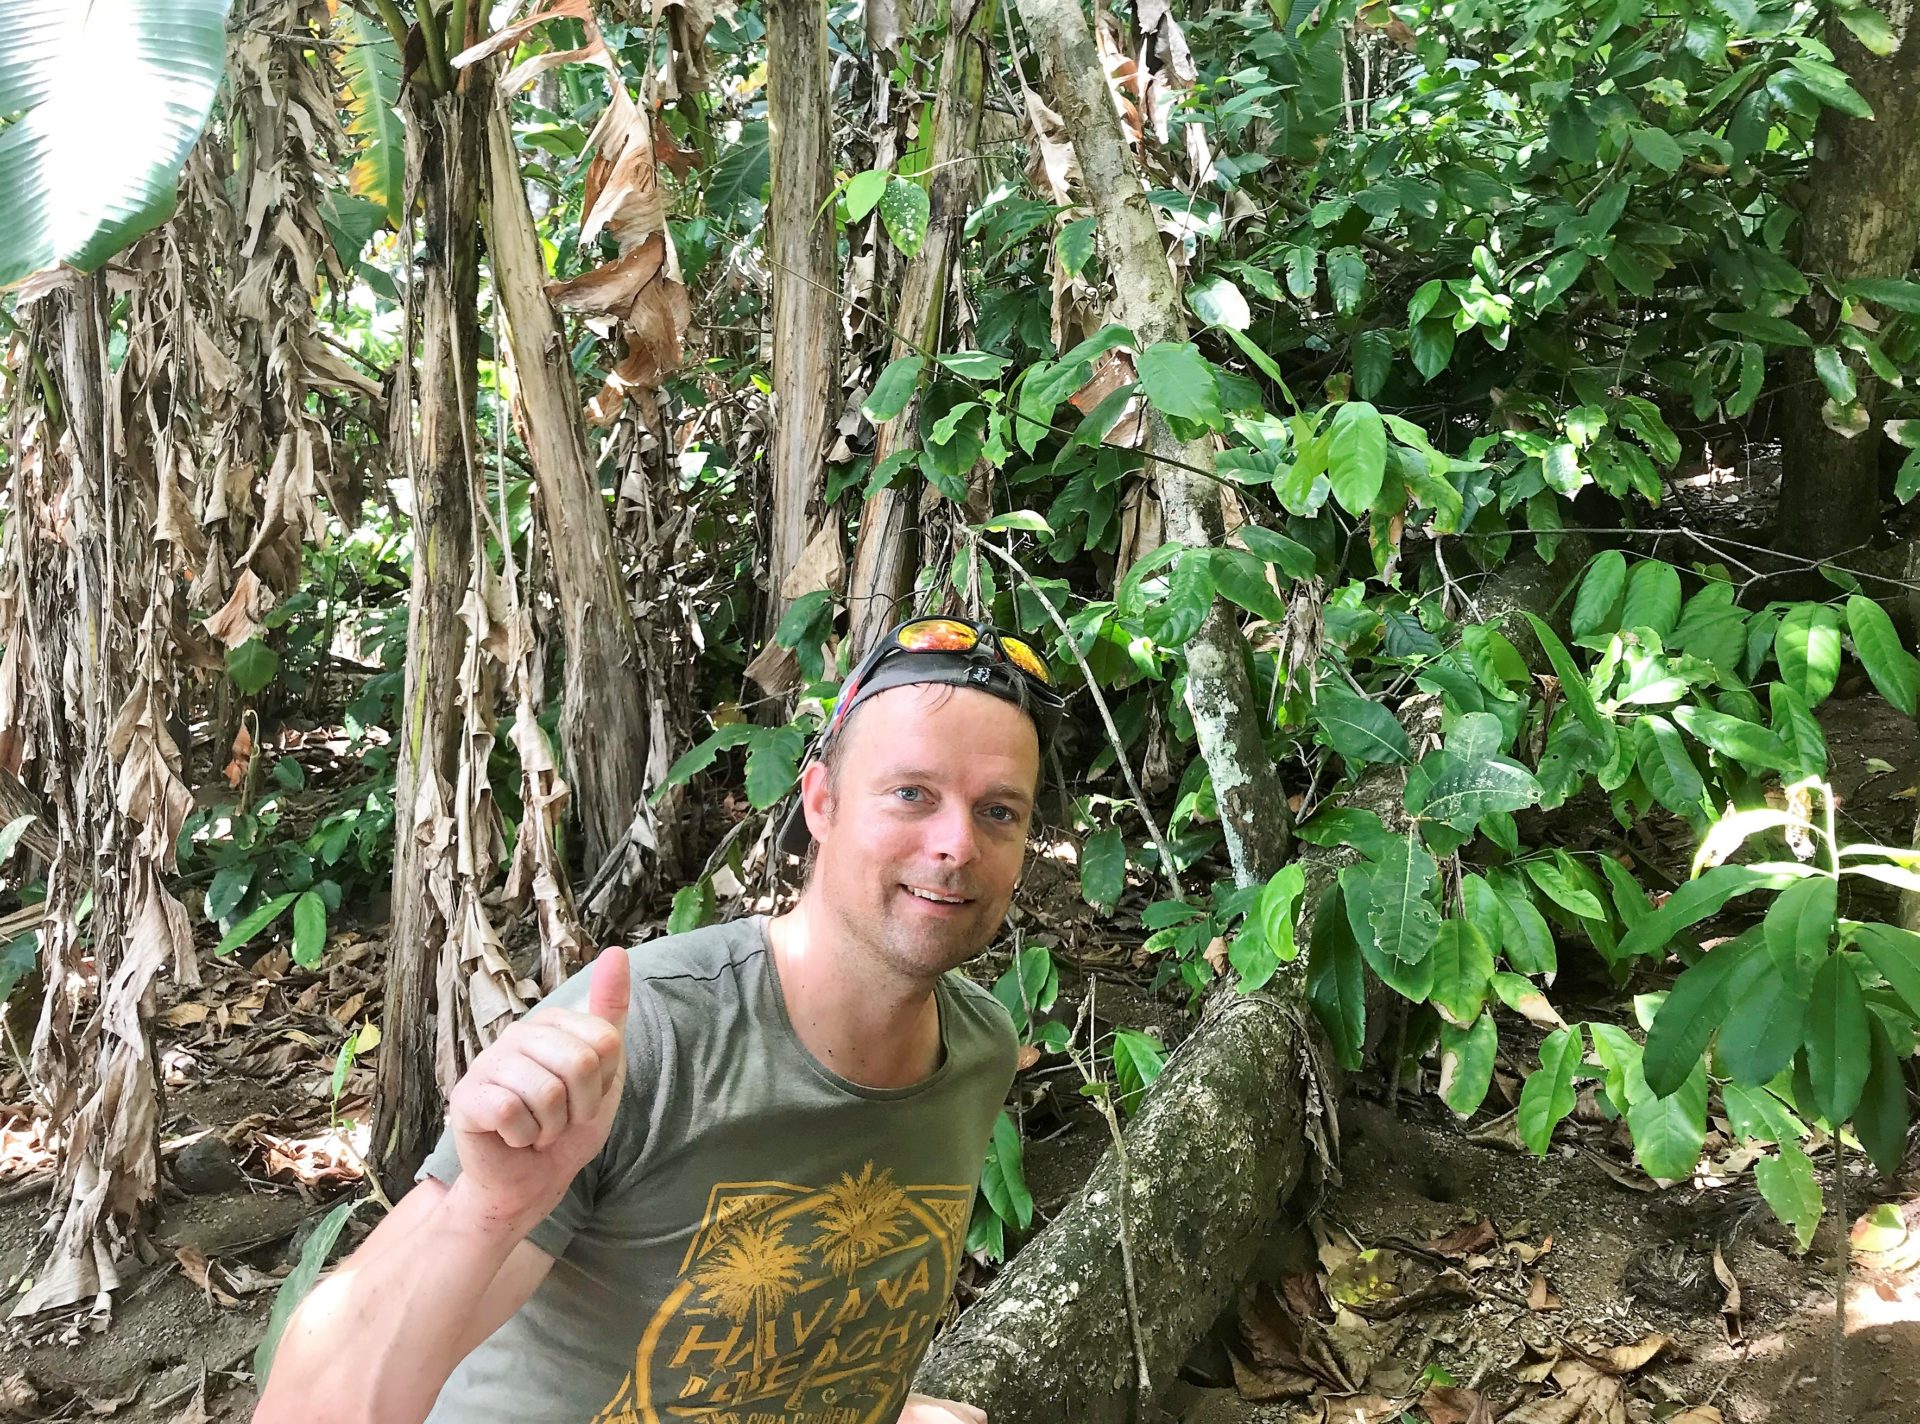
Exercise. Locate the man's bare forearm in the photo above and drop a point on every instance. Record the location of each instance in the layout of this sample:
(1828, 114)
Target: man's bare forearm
(376, 1340)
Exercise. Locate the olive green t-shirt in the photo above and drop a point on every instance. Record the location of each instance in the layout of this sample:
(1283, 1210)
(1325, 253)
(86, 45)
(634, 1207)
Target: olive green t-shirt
(760, 1241)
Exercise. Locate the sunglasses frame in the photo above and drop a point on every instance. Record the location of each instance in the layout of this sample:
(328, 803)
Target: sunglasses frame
(890, 644)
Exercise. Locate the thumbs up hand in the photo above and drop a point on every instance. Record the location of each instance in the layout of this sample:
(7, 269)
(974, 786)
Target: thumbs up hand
(538, 1104)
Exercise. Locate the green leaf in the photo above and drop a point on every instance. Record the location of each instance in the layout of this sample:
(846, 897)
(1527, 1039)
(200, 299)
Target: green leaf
(1667, 767)
(1657, 146)
(1799, 926)
(1807, 648)
(1273, 914)
(1526, 940)
(1347, 277)
(1669, 1132)
(309, 929)
(1336, 979)
(1881, 1119)
(1837, 1052)
(773, 765)
(1103, 870)
(1653, 597)
(1357, 455)
(1870, 27)
(1345, 826)
(1560, 887)
(1755, 1113)
(1573, 685)
(1178, 616)
(1300, 262)
(1895, 953)
(16, 828)
(1691, 1012)
(1430, 343)
(1548, 1095)
(741, 173)
(1771, 330)
(702, 756)
(1767, 1000)
(1831, 367)
(1218, 302)
(692, 906)
(1003, 1180)
(1600, 590)
(1137, 1062)
(1746, 742)
(895, 388)
(799, 617)
(300, 1280)
(974, 365)
(863, 191)
(1404, 922)
(252, 665)
(1360, 728)
(1462, 792)
(243, 932)
(1022, 519)
(1178, 381)
(1075, 245)
(229, 888)
(1372, 360)
(904, 210)
(110, 99)
(1788, 1184)
(1241, 578)
(1893, 669)
(370, 65)
(1462, 970)
(1293, 559)
(1466, 1064)
(1689, 905)
(1895, 293)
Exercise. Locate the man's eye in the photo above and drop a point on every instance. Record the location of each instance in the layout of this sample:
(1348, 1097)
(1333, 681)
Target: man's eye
(907, 793)
(1005, 815)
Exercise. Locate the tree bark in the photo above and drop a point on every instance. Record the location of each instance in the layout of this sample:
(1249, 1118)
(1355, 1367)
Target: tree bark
(603, 718)
(1862, 220)
(1227, 719)
(886, 553)
(445, 141)
(806, 302)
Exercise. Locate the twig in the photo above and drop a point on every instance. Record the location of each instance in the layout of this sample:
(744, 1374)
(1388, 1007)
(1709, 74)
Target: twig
(1837, 1385)
(1106, 717)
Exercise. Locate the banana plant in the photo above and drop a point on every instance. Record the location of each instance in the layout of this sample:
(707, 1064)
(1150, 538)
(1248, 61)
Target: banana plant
(99, 106)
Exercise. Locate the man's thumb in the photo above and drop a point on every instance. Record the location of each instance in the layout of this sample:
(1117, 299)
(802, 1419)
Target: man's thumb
(608, 989)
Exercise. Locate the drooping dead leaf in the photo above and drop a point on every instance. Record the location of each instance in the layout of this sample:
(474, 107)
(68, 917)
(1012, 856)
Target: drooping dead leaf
(238, 619)
(1699, 1414)
(1540, 1296)
(1730, 1306)
(1466, 1241)
(1625, 1359)
(1452, 1404)
(1216, 955)
(1362, 1409)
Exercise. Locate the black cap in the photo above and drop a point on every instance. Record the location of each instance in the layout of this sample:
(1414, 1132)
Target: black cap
(976, 669)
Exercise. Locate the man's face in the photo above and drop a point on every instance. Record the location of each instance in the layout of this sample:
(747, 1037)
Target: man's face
(922, 838)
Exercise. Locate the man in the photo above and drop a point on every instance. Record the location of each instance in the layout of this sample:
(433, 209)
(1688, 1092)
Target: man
(727, 1175)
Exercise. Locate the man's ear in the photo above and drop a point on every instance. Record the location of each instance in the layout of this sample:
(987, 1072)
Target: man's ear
(816, 799)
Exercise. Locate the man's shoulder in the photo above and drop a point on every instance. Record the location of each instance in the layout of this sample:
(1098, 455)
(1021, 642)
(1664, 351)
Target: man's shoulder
(980, 1012)
(711, 952)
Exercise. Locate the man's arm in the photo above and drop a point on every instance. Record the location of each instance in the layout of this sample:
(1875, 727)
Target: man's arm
(434, 1280)
(375, 1342)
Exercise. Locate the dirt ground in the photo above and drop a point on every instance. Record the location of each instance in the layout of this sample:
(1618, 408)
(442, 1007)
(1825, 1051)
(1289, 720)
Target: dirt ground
(1451, 1279)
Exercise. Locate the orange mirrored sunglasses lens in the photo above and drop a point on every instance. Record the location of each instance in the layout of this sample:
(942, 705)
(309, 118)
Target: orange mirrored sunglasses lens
(937, 635)
(1026, 659)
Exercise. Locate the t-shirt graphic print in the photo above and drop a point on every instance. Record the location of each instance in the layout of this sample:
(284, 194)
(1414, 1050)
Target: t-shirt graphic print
(800, 1304)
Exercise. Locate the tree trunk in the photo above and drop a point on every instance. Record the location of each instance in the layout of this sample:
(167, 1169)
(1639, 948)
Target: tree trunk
(1227, 719)
(886, 553)
(603, 719)
(1862, 220)
(1244, 1108)
(445, 138)
(806, 304)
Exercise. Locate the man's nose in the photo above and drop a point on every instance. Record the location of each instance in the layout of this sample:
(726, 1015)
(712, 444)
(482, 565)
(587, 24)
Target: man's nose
(954, 837)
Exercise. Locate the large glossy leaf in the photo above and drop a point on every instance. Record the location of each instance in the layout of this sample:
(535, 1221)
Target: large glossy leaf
(1600, 590)
(1548, 1094)
(1690, 904)
(1460, 792)
(1669, 1132)
(1466, 1063)
(370, 65)
(1838, 1056)
(1896, 954)
(1360, 728)
(1404, 922)
(1692, 1010)
(1336, 979)
(1357, 455)
(1808, 649)
(111, 97)
(1462, 969)
(1788, 1184)
(1892, 668)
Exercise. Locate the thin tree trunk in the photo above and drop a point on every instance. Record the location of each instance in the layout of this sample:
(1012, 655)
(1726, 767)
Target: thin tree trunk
(886, 553)
(806, 304)
(1863, 220)
(1227, 719)
(603, 718)
(445, 142)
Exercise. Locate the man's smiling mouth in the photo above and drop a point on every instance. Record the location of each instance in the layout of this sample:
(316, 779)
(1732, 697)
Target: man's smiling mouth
(934, 896)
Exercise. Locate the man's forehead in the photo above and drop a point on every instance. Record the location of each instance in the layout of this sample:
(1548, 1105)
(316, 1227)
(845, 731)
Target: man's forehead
(918, 710)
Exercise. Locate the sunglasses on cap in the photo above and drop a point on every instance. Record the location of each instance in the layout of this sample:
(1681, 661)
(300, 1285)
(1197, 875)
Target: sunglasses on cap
(980, 645)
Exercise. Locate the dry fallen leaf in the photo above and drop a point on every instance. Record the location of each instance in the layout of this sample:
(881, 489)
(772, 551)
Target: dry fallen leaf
(1466, 1241)
(1450, 1404)
(1541, 1297)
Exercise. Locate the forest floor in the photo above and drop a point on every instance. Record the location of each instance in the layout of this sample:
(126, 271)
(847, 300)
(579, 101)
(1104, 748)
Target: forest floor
(1448, 1277)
